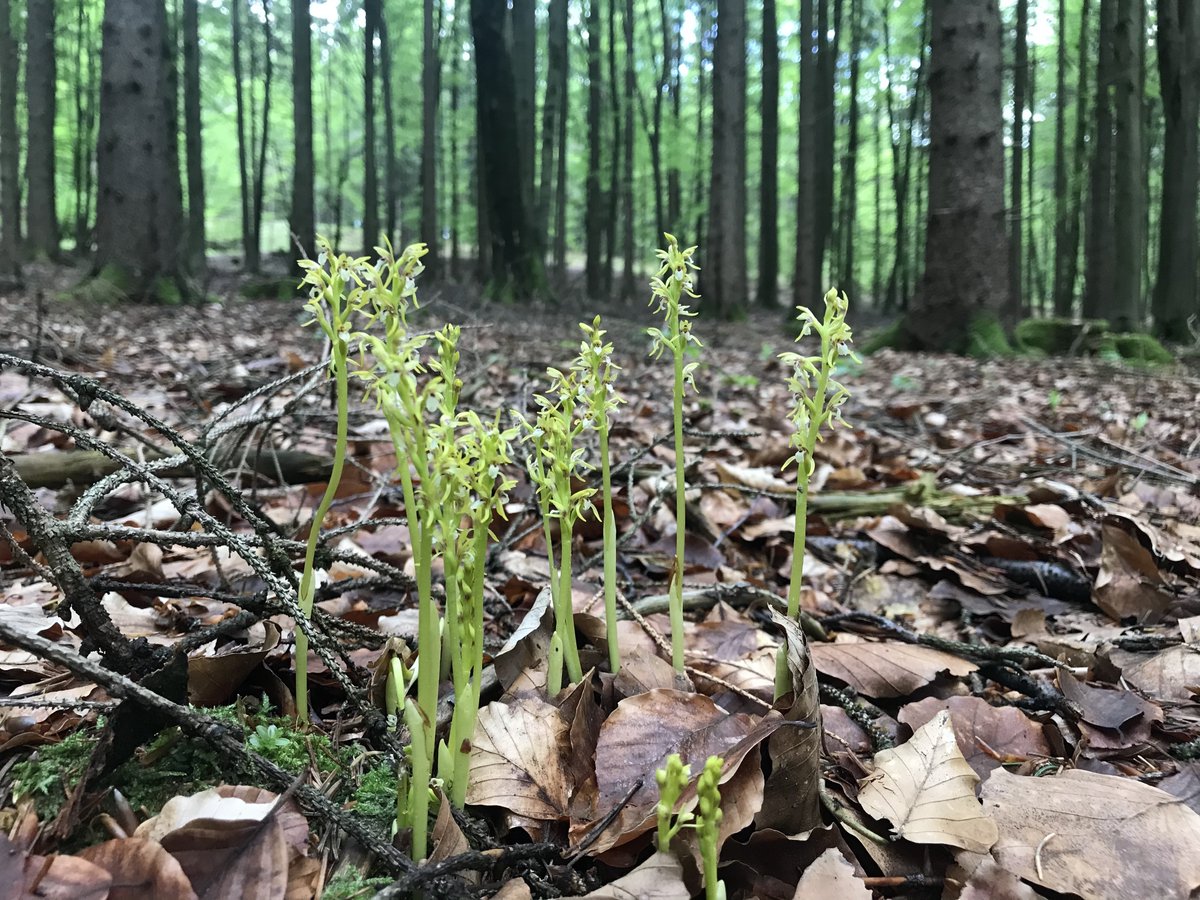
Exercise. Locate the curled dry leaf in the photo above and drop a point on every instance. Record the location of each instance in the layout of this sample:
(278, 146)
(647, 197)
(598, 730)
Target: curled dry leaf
(791, 798)
(831, 876)
(225, 858)
(927, 791)
(26, 876)
(1129, 584)
(658, 878)
(140, 868)
(1170, 674)
(1102, 837)
(213, 676)
(520, 759)
(886, 669)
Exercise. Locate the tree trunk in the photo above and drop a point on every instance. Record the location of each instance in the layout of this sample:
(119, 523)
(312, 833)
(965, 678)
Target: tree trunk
(1017, 172)
(768, 233)
(877, 298)
(1098, 295)
(41, 231)
(807, 284)
(594, 213)
(10, 160)
(627, 281)
(846, 279)
(1177, 291)
(1064, 303)
(1062, 200)
(516, 264)
(84, 145)
(193, 142)
(725, 247)
(674, 52)
(431, 89)
(826, 131)
(560, 65)
(249, 253)
(614, 163)
(139, 210)
(260, 163)
(965, 281)
(391, 170)
(1129, 197)
(524, 62)
(455, 193)
(303, 219)
(552, 113)
(370, 216)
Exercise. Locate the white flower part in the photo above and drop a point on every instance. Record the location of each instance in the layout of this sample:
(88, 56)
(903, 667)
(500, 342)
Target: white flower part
(410, 283)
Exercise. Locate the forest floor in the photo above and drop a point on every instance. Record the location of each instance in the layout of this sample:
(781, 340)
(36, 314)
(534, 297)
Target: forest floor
(1002, 591)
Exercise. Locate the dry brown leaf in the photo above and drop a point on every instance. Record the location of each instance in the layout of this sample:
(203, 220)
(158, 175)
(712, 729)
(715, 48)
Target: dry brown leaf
(791, 799)
(520, 759)
(210, 804)
(927, 791)
(982, 878)
(1171, 674)
(139, 869)
(225, 858)
(1102, 837)
(886, 669)
(980, 727)
(658, 878)
(1129, 583)
(26, 876)
(214, 676)
(513, 889)
(831, 876)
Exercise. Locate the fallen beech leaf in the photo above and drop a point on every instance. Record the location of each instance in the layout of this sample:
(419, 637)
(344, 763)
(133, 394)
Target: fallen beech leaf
(140, 868)
(1169, 674)
(1098, 836)
(978, 726)
(927, 791)
(831, 876)
(210, 804)
(983, 878)
(886, 669)
(214, 676)
(791, 799)
(53, 878)
(658, 878)
(232, 859)
(1128, 584)
(520, 756)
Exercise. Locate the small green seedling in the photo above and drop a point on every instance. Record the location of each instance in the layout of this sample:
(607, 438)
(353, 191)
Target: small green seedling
(672, 283)
(672, 781)
(817, 401)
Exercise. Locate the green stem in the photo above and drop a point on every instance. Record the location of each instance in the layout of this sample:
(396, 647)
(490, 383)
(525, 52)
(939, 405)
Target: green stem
(565, 616)
(307, 590)
(680, 514)
(422, 771)
(610, 550)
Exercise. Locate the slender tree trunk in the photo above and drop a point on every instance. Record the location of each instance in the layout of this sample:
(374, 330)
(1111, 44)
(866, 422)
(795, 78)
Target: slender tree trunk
(516, 263)
(850, 164)
(877, 288)
(674, 58)
(1079, 169)
(1062, 201)
(561, 66)
(964, 284)
(41, 232)
(84, 147)
(1177, 288)
(302, 220)
(370, 216)
(430, 94)
(1017, 172)
(1033, 272)
(455, 193)
(391, 171)
(1098, 295)
(524, 57)
(249, 256)
(807, 284)
(826, 132)
(627, 280)
(768, 198)
(1129, 199)
(139, 212)
(615, 172)
(725, 248)
(552, 112)
(594, 214)
(10, 159)
(193, 131)
(260, 164)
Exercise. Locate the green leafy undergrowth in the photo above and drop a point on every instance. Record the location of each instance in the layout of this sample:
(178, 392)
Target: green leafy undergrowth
(173, 764)
(350, 884)
(375, 797)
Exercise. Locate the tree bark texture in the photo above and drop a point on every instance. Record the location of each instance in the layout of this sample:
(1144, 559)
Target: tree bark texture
(303, 220)
(193, 143)
(41, 228)
(431, 87)
(768, 197)
(724, 251)
(1098, 295)
(10, 158)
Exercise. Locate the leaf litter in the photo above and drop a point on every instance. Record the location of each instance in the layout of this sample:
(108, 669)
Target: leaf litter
(1000, 652)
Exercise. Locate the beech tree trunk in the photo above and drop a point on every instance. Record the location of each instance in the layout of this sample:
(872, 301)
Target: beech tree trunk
(193, 141)
(523, 52)
(1177, 290)
(807, 283)
(41, 228)
(139, 210)
(1129, 196)
(768, 197)
(10, 159)
(391, 169)
(431, 88)
(965, 284)
(370, 216)
(594, 213)
(1098, 295)
(724, 249)
(1017, 172)
(302, 221)
(627, 281)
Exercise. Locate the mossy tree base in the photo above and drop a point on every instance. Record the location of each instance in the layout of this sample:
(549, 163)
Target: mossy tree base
(113, 283)
(982, 338)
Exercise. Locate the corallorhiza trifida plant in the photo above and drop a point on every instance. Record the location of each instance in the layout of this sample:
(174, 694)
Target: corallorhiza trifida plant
(672, 283)
(816, 402)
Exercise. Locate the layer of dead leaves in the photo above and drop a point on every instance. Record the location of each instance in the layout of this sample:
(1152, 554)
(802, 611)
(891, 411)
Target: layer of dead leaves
(1046, 505)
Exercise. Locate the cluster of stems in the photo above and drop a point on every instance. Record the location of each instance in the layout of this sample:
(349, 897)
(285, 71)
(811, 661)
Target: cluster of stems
(817, 402)
(673, 780)
(672, 283)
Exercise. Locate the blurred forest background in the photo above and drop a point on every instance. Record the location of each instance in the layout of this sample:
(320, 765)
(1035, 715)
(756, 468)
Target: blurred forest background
(951, 160)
